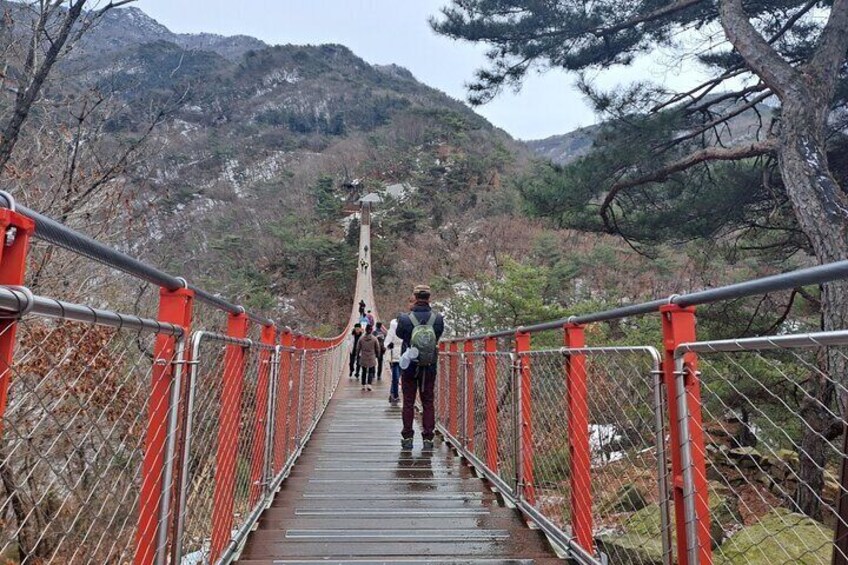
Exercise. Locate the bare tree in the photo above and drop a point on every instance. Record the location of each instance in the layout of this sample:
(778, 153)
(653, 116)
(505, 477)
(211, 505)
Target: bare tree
(52, 28)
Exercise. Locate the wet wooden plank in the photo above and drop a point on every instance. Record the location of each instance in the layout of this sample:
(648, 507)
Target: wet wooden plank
(356, 498)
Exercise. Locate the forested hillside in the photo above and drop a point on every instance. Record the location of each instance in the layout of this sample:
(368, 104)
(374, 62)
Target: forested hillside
(242, 157)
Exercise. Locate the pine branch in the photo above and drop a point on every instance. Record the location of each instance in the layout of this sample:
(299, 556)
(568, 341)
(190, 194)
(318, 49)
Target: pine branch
(687, 162)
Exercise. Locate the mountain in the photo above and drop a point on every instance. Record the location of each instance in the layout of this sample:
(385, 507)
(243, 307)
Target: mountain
(248, 152)
(745, 127)
(118, 29)
(566, 148)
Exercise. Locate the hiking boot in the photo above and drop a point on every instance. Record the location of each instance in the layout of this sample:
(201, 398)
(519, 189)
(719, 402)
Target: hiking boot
(369, 388)
(428, 444)
(406, 443)
(363, 387)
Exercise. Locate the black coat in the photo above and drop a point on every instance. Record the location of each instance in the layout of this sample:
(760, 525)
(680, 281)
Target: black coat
(421, 311)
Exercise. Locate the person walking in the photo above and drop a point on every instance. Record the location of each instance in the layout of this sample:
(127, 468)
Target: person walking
(361, 308)
(355, 335)
(370, 317)
(394, 346)
(380, 334)
(368, 349)
(420, 331)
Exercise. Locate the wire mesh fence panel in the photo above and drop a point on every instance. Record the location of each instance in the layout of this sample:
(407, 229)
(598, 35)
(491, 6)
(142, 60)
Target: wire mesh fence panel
(551, 461)
(296, 410)
(628, 456)
(73, 442)
(321, 378)
(442, 391)
(308, 406)
(250, 436)
(506, 417)
(448, 391)
(458, 400)
(774, 447)
(200, 465)
(478, 439)
(282, 411)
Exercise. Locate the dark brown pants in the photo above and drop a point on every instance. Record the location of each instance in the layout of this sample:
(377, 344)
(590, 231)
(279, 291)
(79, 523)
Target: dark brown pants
(414, 381)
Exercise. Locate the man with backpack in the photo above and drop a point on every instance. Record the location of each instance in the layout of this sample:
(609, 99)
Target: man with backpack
(420, 331)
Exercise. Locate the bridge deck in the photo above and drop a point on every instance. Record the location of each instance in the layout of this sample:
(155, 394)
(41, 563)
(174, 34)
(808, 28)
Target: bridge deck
(355, 497)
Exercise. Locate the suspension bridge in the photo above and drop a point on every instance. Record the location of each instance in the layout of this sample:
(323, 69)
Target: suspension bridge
(194, 431)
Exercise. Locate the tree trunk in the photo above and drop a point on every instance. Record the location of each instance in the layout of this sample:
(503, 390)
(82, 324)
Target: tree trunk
(821, 208)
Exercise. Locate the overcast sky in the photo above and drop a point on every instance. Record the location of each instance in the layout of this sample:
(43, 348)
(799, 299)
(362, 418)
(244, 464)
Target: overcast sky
(393, 31)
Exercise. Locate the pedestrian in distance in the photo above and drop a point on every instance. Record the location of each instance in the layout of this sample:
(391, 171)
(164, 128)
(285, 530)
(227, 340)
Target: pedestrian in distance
(420, 331)
(355, 335)
(361, 308)
(370, 318)
(380, 334)
(394, 346)
(368, 349)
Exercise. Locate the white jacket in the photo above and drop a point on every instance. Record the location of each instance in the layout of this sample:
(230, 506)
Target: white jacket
(391, 337)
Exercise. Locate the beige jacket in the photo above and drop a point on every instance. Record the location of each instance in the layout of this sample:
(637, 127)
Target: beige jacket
(368, 350)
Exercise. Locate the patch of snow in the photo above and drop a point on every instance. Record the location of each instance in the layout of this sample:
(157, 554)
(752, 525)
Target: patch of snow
(400, 190)
(230, 176)
(278, 76)
(373, 198)
(346, 221)
(601, 436)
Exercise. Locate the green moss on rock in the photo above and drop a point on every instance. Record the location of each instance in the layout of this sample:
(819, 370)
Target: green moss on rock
(780, 536)
(640, 541)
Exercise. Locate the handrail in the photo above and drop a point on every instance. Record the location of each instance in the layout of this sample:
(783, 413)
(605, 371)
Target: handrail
(61, 235)
(17, 302)
(784, 281)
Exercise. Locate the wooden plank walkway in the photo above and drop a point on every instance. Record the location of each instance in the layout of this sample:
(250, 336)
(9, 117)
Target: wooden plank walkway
(355, 497)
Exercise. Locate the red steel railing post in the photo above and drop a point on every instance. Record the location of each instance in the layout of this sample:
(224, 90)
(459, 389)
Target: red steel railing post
(228, 436)
(15, 232)
(468, 349)
(257, 458)
(527, 485)
(175, 307)
(491, 393)
(282, 413)
(678, 326)
(453, 388)
(578, 438)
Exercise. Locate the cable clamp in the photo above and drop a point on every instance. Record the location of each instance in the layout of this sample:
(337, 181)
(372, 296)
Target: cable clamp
(25, 303)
